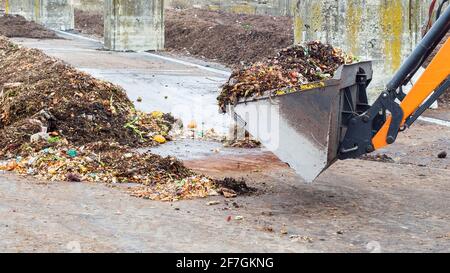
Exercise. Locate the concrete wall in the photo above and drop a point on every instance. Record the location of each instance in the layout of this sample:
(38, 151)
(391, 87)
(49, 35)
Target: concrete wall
(24, 8)
(378, 30)
(267, 7)
(134, 25)
(57, 14)
(272, 7)
(89, 5)
(54, 14)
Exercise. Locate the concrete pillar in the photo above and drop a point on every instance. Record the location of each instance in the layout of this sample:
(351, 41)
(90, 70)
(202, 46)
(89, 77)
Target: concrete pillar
(23, 8)
(134, 25)
(54, 14)
(89, 5)
(378, 30)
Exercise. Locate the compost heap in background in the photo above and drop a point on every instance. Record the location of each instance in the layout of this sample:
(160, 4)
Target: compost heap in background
(61, 124)
(293, 66)
(18, 26)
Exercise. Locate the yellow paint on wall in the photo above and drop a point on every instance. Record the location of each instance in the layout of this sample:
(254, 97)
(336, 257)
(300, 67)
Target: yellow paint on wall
(298, 29)
(214, 7)
(243, 9)
(37, 10)
(414, 21)
(308, 20)
(298, 23)
(316, 16)
(353, 24)
(391, 18)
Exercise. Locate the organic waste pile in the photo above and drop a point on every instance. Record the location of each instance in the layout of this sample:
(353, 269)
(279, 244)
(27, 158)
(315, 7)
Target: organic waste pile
(293, 66)
(61, 124)
(18, 26)
(228, 38)
(38, 92)
(89, 22)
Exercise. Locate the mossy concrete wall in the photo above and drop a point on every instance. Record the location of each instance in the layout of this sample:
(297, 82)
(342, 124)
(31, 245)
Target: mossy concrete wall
(270, 7)
(54, 14)
(382, 31)
(134, 25)
(24, 8)
(266, 7)
(89, 5)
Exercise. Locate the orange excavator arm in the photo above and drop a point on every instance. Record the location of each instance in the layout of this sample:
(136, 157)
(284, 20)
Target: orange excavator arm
(380, 124)
(435, 74)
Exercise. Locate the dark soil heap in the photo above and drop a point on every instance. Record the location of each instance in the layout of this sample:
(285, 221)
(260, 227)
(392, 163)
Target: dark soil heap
(17, 26)
(291, 67)
(231, 39)
(90, 23)
(227, 38)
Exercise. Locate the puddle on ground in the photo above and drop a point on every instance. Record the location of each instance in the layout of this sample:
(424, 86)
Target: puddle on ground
(212, 157)
(191, 149)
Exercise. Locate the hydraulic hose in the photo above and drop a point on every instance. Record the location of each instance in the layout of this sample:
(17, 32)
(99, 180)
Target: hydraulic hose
(439, 10)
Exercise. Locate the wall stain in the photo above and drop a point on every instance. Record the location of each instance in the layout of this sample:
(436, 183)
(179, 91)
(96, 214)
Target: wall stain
(37, 10)
(243, 9)
(298, 24)
(316, 16)
(392, 26)
(213, 7)
(353, 25)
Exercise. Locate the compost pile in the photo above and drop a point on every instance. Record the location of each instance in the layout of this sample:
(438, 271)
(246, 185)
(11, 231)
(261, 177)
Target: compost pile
(18, 26)
(89, 22)
(61, 124)
(293, 66)
(38, 92)
(228, 38)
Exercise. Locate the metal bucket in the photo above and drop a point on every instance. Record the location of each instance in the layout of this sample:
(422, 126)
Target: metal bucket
(304, 125)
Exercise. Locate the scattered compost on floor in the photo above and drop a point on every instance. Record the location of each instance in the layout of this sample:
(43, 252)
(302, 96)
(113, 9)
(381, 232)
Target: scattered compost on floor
(233, 186)
(378, 158)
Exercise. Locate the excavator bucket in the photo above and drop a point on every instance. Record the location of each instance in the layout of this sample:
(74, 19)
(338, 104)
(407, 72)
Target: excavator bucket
(304, 126)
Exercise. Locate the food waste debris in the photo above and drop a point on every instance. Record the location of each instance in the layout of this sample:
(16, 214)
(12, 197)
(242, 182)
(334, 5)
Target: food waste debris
(292, 67)
(39, 93)
(60, 124)
(165, 179)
